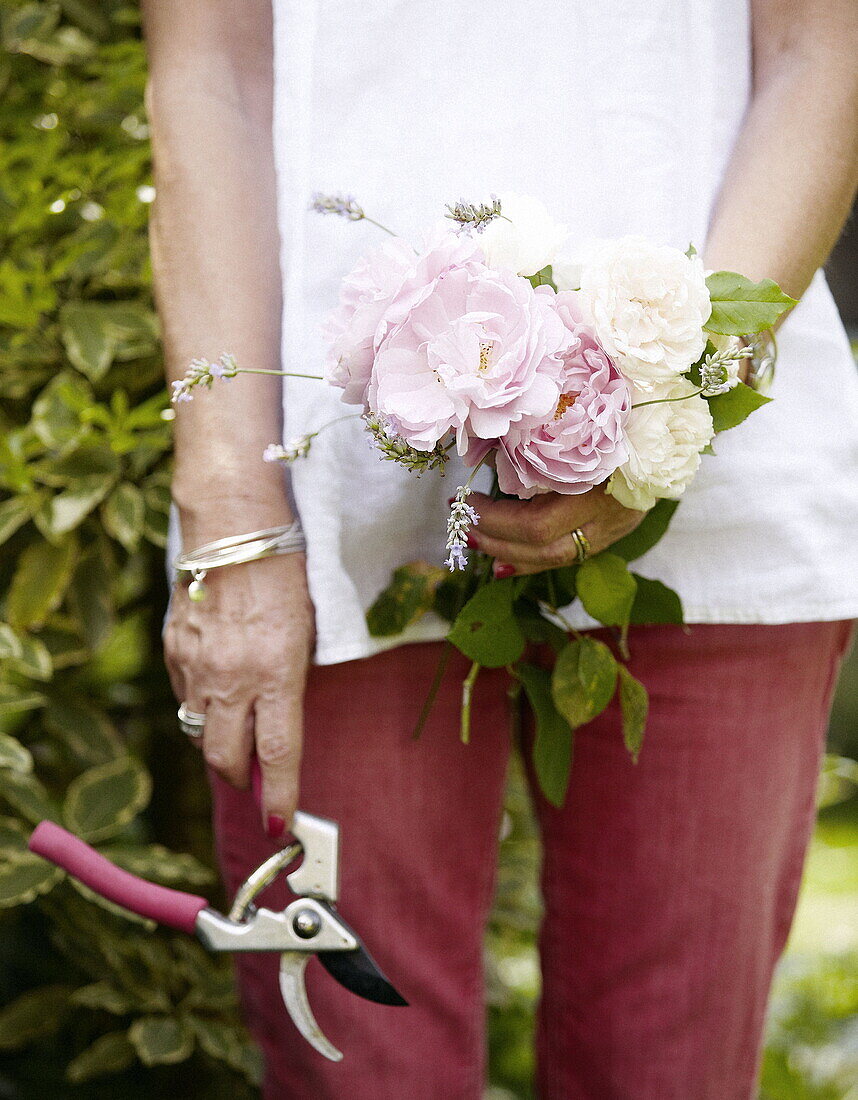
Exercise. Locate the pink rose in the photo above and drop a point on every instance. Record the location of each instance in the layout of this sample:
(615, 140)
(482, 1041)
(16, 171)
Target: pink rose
(583, 441)
(378, 292)
(479, 353)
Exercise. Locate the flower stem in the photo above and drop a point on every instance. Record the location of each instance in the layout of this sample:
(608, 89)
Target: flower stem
(666, 400)
(467, 692)
(429, 701)
(281, 373)
(367, 218)
(567, 626)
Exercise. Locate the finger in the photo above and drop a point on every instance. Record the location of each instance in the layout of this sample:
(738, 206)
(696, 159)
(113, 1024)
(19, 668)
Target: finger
(177, 679)
(539, 521)
(228, 741)
(529, 558)
(279, 733)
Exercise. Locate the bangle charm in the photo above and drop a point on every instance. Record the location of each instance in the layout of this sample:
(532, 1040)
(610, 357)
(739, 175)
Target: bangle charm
(236, 550)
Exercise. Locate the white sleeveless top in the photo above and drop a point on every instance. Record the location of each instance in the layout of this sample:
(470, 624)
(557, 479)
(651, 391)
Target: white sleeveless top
(620, 116)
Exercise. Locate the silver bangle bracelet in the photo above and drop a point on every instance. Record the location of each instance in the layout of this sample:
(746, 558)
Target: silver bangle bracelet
(236, 550)
(761, 365)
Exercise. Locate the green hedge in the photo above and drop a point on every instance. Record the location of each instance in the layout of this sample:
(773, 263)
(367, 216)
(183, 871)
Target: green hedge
(84, 475)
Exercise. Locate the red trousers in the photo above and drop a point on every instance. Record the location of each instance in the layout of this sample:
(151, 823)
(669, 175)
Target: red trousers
(669, 885)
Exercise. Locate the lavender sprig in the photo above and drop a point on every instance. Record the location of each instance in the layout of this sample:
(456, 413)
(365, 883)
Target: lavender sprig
(299, 446)
(202, 372)
(715, 373)
(462, 518)
(394, 448)
(474, 216)
(344, 206)
(290, 451)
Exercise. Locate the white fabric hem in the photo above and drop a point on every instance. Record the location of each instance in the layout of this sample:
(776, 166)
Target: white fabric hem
(435, 630)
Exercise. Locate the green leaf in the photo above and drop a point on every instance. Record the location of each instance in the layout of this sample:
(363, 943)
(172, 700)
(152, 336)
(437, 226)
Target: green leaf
(536, 628)
(10, 643)
(107, 997)
(88, 339)
(740, 307)
(731, 408)
(124, 513)
(161, 1040)
(39, 583)
(27, 795)
(648, 532)
(58, 409)
(91, 594)
(34, 660)
(96, 333)
(223, 1042)
(110, 1053)
(552, 748)
(14, 756)
(102, 801)
(634, 704)
(67, 509)
(409, 595)
(14, 836)
(14, 513)
(607, 588)
(655, 603)
(159, 864)
(486, 629)
(14, 699)
(24, 876)
(34, 1014)
(545, 277)
(583, 680)
(86, 731)
(453, 593)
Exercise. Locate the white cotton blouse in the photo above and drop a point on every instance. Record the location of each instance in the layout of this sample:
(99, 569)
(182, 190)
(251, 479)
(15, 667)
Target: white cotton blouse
(620, 116)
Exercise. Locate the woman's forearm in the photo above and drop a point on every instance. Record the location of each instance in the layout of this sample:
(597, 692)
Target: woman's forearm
(792, 177)
(215, 259)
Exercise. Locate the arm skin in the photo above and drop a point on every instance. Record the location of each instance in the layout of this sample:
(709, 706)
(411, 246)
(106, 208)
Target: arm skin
(784, 199)
(241, 656)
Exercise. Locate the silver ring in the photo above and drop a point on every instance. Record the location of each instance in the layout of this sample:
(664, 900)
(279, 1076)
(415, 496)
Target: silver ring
(190, 722)
(582, 545)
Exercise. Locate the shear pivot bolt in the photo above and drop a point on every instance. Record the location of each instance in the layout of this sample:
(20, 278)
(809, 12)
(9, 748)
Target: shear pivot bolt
(306, 923)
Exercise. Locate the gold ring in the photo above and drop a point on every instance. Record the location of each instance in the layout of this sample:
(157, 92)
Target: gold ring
(582, 545)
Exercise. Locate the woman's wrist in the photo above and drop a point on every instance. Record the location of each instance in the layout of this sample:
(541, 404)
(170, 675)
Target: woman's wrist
(205, 515)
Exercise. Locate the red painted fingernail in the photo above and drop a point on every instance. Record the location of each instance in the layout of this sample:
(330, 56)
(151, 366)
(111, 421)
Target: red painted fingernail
(471, 541)
(503, 570)
(276, 826)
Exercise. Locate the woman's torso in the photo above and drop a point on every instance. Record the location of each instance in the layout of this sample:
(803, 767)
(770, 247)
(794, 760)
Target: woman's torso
(621, 117)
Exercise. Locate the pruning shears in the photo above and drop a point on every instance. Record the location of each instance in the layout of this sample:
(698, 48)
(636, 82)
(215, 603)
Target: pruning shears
(308, 926)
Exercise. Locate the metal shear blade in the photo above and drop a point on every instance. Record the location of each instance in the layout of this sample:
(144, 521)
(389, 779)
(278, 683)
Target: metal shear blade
(312, 926)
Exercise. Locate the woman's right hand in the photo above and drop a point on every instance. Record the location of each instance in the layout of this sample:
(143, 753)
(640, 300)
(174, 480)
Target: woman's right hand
(240, 657)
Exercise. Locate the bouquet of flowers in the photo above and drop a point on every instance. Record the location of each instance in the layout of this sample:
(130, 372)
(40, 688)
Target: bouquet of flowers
(611, 365)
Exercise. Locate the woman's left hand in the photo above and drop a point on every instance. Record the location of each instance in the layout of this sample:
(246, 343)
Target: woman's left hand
(529, 536)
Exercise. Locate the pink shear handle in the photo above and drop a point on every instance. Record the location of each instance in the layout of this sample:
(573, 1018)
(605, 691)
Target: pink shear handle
(170, 907)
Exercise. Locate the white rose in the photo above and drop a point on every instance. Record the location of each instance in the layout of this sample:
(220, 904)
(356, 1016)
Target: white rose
(648, 304)
(664, 441)
(524, 239)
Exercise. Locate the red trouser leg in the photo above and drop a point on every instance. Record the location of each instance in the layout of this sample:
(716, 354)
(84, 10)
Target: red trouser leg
(669, 886)
(419, 832)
